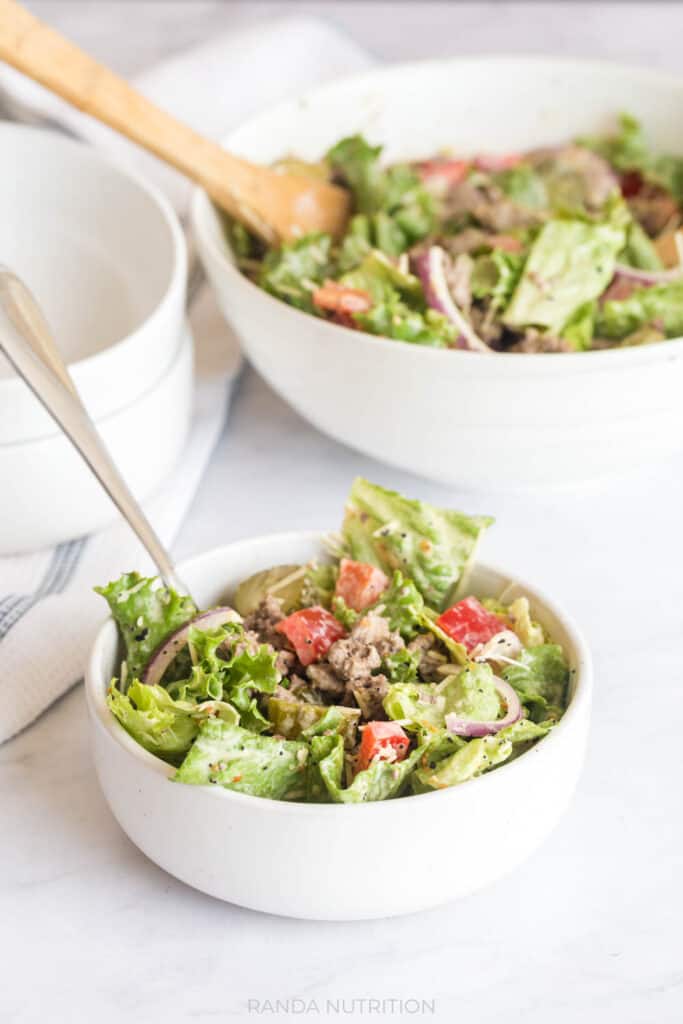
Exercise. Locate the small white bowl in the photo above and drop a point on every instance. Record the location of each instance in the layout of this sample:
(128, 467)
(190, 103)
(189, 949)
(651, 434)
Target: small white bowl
(337, 861)
(48, 493)
(503, 421)
(106, 259)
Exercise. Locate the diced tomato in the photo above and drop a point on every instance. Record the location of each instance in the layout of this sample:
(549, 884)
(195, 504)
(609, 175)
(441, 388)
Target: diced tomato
(470, 624)
(338, 298)
(493, 162)
(450, 172)
(631, 184)
(359, 584)
(382, 741)
(311, 632)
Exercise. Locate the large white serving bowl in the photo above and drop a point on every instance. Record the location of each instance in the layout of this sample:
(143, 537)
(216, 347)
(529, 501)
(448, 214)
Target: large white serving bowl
(499, 421)
(48, 493)
(337, 861)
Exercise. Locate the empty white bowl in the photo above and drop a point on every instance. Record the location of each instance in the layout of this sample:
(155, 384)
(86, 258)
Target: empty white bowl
(335, 861)
(48, 493)
(104, 255)
(502, 421)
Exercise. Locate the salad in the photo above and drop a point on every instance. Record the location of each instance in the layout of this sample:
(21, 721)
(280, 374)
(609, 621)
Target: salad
(561, 249)
(371, 675)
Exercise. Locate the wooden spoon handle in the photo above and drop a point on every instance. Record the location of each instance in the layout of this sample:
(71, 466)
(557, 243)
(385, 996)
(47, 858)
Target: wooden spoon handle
(32, 47)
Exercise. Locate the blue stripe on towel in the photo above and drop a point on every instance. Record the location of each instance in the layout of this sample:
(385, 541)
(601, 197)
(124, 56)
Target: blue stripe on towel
(59, 572)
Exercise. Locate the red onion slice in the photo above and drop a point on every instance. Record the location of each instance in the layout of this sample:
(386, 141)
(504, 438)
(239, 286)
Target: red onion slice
(627, 279)
(164, 655)
(471, 728)
(646, 277)
(430, 267)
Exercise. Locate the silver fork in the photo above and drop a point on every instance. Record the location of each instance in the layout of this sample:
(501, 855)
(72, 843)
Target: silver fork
(12, 109)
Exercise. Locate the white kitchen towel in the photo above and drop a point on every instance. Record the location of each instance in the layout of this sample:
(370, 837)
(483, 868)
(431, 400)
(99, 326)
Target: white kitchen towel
(48, 611)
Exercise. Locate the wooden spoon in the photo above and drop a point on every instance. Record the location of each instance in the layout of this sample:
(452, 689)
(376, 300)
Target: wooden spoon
(277, 206)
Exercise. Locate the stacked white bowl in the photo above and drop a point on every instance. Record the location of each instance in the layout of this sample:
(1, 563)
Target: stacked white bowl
(105, 256)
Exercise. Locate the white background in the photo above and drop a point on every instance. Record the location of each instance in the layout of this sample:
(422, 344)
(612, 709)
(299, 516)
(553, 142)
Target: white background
(590, 928)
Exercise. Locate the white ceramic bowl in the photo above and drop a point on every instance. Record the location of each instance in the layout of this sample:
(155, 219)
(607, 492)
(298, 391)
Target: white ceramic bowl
(105, 257)
(503, 421)
(48, 493)
(302, 860)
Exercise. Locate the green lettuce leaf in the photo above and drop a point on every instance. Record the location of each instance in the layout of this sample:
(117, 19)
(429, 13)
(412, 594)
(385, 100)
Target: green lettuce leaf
(247, 675)
(580, 327)
(639, 251)
(398, 209)
(495, 276)
(235, 758)
(161, 725)
(341, 611)
(470, 693)
(146, 613)
(383, 280)
(529, 632)
(570, 263)
(358, 164)
(480, 755)
(394, 318)
(224, 669)
(292, 272)
(319, 583)
(381, 781)
(524, 186)
(402, 666)
(540, 677)
(660, 305)
(433, 547)
(294, 719)
(403, 605)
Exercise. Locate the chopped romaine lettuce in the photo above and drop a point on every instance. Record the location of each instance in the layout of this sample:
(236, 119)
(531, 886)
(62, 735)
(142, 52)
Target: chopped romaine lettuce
(402, 666)
(580, 327)
(394, 318)
(383, 280)
(294, 718)
(161, 725)
(480, 755)
(529, 632)
(402, 604)
(639, 251)
(495, 276)
(358, 164)
(540, 678)
(570, 263)
(433, 547)
(659, 306)
(524, 186)
(319, 584)
(470, 693)
(230, 756)
(399, 210)
(293, 271)
(146, 613)
(381, 781)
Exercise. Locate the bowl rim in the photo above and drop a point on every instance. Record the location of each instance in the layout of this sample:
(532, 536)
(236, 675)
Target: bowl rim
(102, 718)
(200, 205)
(97, 361)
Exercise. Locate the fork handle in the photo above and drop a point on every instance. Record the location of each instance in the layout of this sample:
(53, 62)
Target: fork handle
(19, 313)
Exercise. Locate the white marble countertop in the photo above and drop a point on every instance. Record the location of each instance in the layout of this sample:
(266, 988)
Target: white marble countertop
(590, 927)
